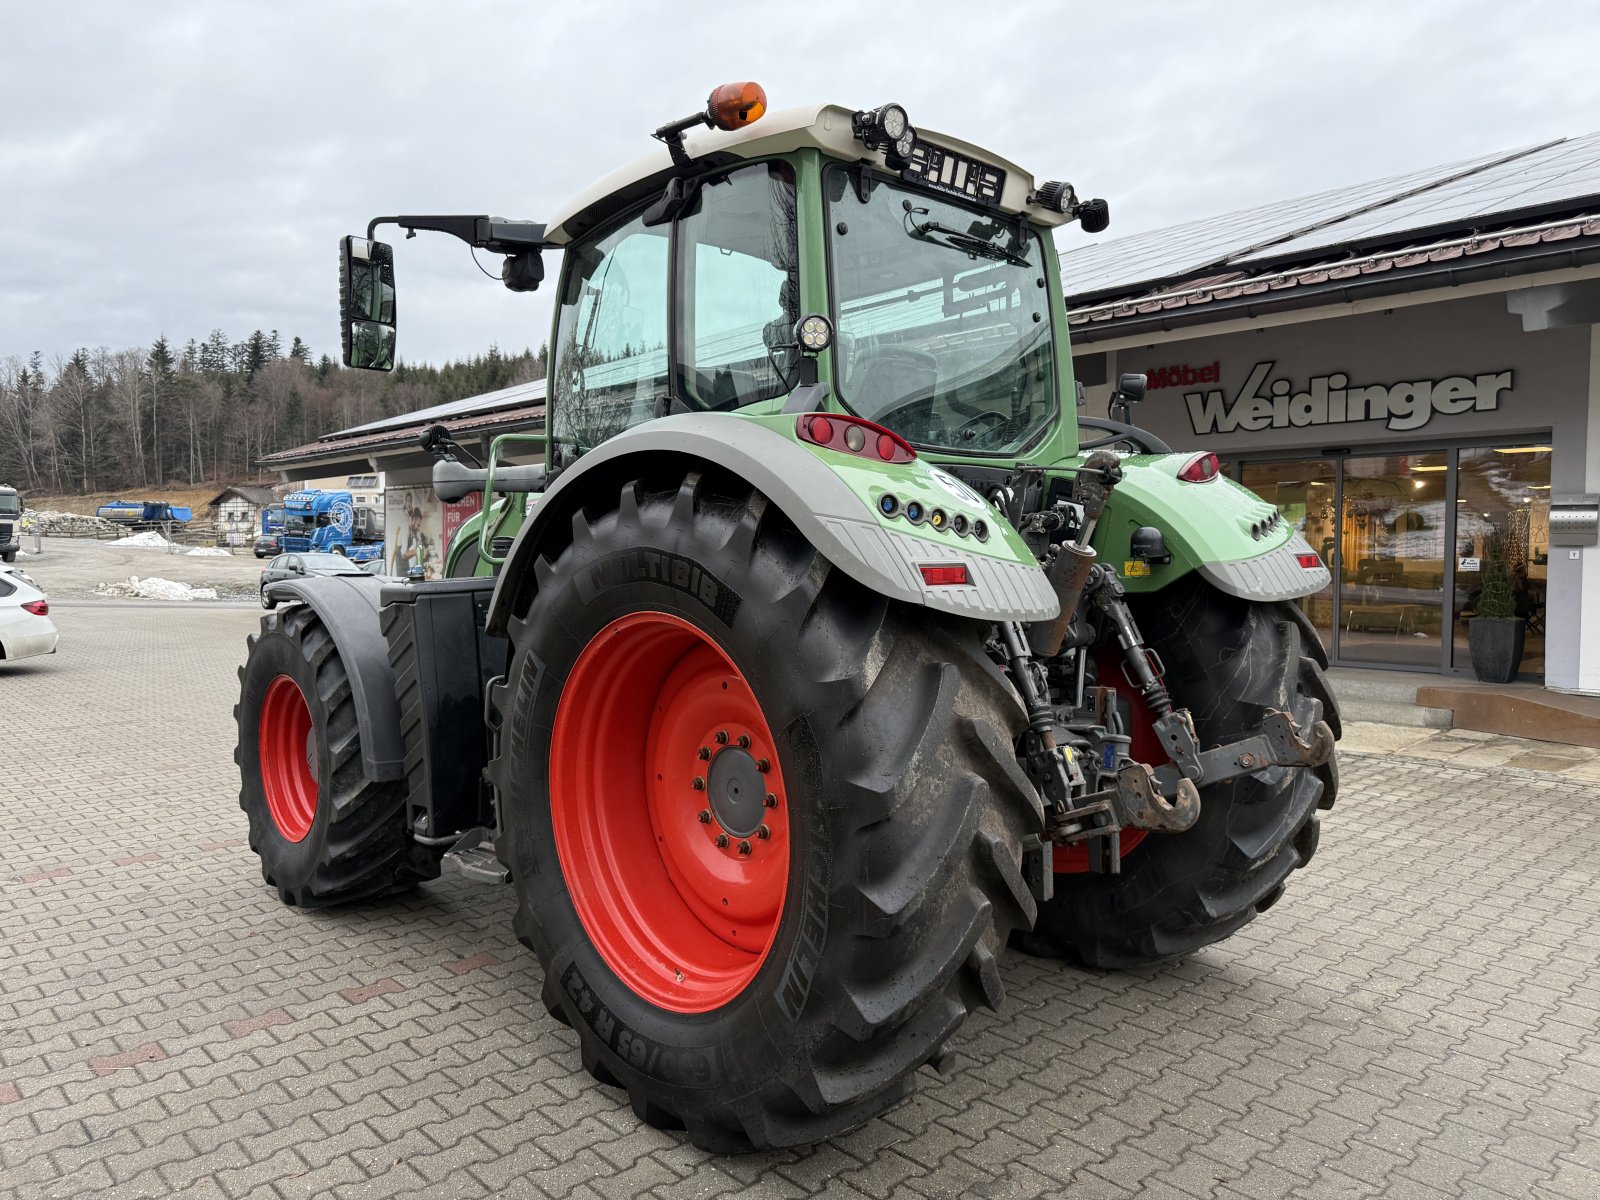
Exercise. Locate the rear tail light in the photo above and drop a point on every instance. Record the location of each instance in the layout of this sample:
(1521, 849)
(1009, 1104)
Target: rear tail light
(1202, 468)
(852, 435)
(39, 608)
(942, 575)
(1309, 561)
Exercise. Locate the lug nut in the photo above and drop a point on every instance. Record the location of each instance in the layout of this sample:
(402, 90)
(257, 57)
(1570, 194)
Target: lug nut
(722, 841)
(744, 741)
(772, 800)
(722, 737)
(698, 784)
(703, 753)
(763, 765)
(763, 832)
(705, 816)
(744, 847)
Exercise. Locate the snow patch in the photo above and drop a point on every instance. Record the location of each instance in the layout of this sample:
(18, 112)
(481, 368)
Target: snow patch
(155, 588)
(149, 539)
(208, 552)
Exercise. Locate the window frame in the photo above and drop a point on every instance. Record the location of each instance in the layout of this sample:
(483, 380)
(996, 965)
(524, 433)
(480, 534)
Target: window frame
(1047, 427)
(674, 399)
(682, 306)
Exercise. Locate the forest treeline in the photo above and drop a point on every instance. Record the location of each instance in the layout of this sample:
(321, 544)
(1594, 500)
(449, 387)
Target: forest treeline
(105, 420)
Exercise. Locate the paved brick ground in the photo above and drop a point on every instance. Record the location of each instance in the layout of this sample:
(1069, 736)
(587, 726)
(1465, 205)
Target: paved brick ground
(1417, 1018)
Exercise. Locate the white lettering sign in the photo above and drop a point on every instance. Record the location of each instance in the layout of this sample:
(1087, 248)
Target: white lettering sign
(1331, 400)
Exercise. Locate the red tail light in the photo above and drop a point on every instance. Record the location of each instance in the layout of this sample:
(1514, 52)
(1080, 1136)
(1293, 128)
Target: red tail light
(852, 435)
(39, 608)
(1309, 561)
(1202, 468)
(953, 575)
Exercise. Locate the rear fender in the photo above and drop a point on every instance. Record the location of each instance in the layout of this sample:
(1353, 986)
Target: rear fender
(830, 497)
(1237, 541)
(349, 606)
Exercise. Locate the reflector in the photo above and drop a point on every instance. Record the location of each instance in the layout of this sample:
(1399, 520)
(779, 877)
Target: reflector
(951, 575)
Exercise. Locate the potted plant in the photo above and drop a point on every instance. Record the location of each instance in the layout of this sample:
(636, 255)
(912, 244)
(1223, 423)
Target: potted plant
(1495, 632)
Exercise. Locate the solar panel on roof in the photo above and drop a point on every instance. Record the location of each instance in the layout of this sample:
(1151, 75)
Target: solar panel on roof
(1550, 176)
(1538, 175)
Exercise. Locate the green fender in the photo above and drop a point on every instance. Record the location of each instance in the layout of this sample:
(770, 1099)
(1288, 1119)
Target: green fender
(1241, 544)
(832, 498)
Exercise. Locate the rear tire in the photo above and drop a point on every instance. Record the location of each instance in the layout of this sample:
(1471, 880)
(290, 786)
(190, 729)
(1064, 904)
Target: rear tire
(325, 833)
(1228, 661)
(904, 814)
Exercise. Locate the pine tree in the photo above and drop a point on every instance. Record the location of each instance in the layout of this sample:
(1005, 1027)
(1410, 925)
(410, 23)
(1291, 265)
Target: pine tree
(300, 352)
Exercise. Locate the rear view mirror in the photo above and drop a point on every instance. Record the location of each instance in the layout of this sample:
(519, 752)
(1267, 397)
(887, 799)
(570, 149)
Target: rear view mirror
(366, 303)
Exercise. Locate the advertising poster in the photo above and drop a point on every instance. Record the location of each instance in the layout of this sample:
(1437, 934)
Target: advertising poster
(457, 514)
(414, 531)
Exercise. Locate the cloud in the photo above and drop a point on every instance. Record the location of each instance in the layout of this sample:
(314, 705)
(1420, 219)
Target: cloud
(185, 166)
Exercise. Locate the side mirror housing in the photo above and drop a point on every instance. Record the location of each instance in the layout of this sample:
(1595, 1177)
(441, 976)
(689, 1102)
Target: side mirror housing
(366, 303)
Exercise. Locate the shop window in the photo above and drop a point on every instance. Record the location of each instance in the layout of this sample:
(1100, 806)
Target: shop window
(1503, 497)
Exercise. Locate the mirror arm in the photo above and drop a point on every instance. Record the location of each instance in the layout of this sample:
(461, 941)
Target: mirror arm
(486, 233)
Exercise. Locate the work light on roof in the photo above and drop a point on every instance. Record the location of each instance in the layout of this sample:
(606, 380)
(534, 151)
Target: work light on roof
(886, 128)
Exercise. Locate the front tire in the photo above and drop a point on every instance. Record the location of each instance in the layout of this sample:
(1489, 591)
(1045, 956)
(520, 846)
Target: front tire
(1228, 661)
(326, 834)
(861, 932)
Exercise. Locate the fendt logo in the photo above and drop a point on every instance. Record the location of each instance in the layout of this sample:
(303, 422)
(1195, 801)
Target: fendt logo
(1330, 400)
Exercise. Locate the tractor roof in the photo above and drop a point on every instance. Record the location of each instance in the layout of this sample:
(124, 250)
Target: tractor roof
(823, 126)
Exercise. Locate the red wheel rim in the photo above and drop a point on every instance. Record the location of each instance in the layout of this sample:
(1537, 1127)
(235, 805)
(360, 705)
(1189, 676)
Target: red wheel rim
(1145, 747)
(288, 749)
(670, 818)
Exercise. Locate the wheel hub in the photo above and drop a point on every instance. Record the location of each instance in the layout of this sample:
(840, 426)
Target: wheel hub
(738, 792)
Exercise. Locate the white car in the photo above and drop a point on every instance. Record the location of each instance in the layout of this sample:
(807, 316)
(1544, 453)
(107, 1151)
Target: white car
(25, 625)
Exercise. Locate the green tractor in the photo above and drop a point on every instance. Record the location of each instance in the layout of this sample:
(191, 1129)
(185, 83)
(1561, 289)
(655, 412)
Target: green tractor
(821, 656)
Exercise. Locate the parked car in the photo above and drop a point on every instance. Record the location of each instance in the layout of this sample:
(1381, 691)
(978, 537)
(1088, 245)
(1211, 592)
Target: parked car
(299, 566)
(268, 544)
(25, 625)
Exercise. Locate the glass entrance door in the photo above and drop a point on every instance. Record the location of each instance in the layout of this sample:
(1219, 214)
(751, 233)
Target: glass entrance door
(1391, 563)
(1405, 537)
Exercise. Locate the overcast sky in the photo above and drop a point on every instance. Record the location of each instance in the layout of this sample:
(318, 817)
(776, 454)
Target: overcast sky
(180, 165)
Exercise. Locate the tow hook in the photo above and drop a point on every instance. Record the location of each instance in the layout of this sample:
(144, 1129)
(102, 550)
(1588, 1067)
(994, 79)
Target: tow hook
(1280, 743)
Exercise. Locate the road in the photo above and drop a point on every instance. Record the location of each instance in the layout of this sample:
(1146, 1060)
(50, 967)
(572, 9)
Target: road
(1416, 1018)
(73, 567)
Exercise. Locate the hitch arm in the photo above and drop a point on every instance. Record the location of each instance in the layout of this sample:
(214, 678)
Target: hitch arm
(1280, 743)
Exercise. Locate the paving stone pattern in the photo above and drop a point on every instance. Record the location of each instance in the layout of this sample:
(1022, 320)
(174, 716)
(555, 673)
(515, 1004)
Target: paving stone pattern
(1417, 1018)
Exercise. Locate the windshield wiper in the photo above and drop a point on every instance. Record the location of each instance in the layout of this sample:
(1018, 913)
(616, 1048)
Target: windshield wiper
(955, 239)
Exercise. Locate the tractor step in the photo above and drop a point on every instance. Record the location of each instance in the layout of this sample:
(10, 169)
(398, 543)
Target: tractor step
(473, 855)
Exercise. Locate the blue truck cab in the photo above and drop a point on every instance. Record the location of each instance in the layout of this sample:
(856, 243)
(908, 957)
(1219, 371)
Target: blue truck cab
(330, 522)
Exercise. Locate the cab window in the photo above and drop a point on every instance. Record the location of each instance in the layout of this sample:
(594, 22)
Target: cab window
(611, 338)
(738, 281)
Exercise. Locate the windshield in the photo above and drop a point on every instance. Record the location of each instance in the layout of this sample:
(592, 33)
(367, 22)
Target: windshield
(943, 319)
(328, 562)
(10, 505)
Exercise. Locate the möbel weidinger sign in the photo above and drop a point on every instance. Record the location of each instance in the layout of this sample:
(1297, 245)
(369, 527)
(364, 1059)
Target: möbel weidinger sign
(1331, 399)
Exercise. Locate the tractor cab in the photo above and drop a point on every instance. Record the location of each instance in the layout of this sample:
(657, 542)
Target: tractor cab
(923, 264)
